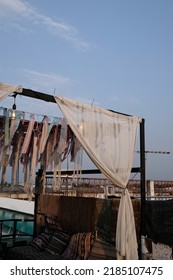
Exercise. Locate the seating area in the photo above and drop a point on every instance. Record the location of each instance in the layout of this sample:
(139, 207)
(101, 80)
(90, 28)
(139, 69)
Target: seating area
(55, 244)
(73, 228)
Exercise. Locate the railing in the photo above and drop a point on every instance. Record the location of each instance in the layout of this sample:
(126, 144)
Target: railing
(14, 229)
(163, 188)
(102, 187)
(69, 185)
(82, 186)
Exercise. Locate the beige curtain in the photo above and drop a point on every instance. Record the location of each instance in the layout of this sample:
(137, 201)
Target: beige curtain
(126, 242)
(6, 90)
(109, 140)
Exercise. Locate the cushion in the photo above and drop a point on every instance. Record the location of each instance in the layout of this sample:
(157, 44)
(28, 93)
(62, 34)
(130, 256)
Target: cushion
(22, 253)
(79, 246)
(71, 250)
(52, 222)
(29, 253)
(40, 242)
(58, 243)
(86, 241)
(102, 250)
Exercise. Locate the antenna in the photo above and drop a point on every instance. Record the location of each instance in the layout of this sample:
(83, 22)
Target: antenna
(92, 101)
(154, 152)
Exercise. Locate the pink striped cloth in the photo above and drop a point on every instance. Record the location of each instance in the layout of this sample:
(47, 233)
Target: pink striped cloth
(44, 134)
(28, 135)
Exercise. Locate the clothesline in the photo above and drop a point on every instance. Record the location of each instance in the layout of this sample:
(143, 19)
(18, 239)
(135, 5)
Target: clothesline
(32, 143)
(29, 113)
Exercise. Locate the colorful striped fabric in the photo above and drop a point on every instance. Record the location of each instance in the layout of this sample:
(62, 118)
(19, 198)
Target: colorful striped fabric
(102, 250)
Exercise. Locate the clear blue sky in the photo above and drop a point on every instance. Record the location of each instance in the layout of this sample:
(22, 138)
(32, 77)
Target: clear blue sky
(117, 53)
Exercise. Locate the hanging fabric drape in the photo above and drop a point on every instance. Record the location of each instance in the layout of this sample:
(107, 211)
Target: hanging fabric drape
(109, 140)
(6, 90)
(126, 243)
(107, 137)
(27, 143)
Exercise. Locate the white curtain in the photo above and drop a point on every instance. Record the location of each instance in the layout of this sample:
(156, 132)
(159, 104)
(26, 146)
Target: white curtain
(109, 140)
(6, 90)
(126, 243)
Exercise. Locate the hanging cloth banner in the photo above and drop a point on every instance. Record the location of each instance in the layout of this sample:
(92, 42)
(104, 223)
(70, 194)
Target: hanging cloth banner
(44, 133)
(15, 124)
(62, 144)
(109, 140)
(28, 135)
(7, 131)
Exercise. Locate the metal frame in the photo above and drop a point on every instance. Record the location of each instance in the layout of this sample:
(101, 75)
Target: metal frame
(50, 98)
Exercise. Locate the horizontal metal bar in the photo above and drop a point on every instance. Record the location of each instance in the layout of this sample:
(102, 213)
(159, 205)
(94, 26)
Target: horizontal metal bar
(16, 220)
(87, 171)
(37, 95)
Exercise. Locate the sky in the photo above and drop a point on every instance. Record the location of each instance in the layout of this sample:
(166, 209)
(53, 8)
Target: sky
(117, 54)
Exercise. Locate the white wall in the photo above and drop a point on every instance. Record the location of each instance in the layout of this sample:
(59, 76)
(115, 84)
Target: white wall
(18, 205)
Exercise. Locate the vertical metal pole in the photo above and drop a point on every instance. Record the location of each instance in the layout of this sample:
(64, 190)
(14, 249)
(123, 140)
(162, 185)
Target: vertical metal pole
(35, 206)
(38, 182)
(143, 181)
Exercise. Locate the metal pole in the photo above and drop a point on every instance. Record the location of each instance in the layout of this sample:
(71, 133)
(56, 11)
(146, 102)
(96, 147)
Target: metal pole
(143, 182)
(38, 182)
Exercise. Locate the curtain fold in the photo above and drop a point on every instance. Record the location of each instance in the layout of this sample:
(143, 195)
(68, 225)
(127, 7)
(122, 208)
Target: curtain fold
(107, 137)
(6, 90)
(126, 241)
(109, 140)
